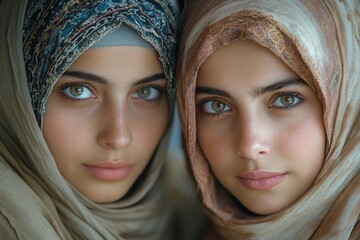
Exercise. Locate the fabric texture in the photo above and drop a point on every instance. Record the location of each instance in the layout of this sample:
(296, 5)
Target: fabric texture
(56, 40)
(37, 46)
(319, 41)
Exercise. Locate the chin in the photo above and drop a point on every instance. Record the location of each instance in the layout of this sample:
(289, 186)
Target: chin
(265, 211)
(104, 197)
(263, 208)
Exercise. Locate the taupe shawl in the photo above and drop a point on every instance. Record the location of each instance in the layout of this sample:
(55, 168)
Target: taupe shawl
(36, 202)
(323, 47)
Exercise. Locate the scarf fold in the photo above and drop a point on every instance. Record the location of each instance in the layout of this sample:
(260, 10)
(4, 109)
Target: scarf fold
(36, 202)
(319, 41)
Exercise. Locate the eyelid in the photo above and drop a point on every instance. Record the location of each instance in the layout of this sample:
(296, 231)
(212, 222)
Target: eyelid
(82, 84)
(76, 83)
(201, 98)
(286, 93)
(153, 84)
(161, 89)
(157, 82)
(199, 104)
(66, 85)
(136, 93)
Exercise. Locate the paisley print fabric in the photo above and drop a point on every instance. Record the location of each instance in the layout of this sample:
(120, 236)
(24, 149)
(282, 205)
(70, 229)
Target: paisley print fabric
(52, 42)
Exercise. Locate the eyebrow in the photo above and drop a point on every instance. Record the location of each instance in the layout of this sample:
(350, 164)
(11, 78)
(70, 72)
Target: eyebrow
(256, 91)
(213, 91)
(86, 76)
(93, 77)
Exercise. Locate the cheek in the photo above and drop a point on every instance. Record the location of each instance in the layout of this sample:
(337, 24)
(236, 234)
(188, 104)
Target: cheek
(205, 138)
(303, 143)
(150, 128)
(58, 138)
(214, 143)
(63, 130)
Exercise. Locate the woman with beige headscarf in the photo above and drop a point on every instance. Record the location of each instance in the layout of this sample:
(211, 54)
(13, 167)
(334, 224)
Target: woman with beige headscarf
(86, 99)
(268, 99)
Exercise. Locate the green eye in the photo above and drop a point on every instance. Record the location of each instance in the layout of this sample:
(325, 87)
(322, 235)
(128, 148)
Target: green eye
(147, 93)
(77, 92)
(287, 101)
(144, 93)
(218, 106)
(214, 107)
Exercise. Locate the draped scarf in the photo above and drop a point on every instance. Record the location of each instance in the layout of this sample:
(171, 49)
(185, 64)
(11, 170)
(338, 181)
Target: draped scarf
(319, 41)
(37, 46)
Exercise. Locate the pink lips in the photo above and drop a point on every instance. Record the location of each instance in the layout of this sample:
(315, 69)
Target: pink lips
(260, 180)
(109, 170)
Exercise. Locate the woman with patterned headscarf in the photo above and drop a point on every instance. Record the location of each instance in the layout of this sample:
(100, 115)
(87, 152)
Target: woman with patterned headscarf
(87, 93)
(269, 103)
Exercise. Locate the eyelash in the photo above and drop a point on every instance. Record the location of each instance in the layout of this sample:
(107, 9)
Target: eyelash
(74, 84)
(200, 105)
(160, 89)
(289, 93)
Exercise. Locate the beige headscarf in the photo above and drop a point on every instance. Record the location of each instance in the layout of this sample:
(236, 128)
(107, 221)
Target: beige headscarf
(36, 202)
(320, 41)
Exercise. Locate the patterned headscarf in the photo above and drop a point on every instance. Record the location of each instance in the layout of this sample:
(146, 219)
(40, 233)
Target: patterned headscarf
(57, 32)
(36, 202)
(318, 40)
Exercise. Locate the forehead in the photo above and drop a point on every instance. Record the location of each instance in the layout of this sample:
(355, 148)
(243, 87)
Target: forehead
(112, 58)
(122, 66)
(242, 62)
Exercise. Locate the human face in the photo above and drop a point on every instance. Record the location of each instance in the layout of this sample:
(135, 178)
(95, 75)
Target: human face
(259, 125)
(104, 119)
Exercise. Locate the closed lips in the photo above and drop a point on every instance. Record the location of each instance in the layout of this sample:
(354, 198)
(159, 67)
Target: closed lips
(109, 170)
(261, 180)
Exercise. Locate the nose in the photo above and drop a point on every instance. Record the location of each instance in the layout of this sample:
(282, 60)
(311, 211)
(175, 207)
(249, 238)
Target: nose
(114, 132)
(251, 138)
